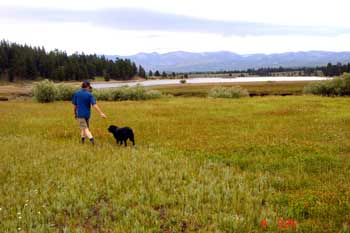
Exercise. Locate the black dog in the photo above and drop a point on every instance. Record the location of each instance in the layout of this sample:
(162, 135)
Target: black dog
(122, 134)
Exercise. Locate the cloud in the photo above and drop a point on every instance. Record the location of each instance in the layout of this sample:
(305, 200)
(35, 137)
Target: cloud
(136, 19)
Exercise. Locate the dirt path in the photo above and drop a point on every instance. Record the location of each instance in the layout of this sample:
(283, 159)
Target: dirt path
(11, 91)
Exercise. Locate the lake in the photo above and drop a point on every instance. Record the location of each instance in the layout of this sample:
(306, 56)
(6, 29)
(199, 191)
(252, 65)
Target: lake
(207, 80)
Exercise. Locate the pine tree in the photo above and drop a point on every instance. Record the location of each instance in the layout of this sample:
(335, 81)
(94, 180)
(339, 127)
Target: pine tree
(142, 72)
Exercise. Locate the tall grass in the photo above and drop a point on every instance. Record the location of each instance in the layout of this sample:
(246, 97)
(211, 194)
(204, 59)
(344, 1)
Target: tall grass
(199, 165)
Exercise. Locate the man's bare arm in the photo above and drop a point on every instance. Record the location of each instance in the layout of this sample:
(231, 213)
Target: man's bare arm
(99, 110)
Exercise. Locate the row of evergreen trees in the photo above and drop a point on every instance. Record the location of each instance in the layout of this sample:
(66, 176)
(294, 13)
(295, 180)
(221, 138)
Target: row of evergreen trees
(329, 70)
(25, 62)
(336, 69)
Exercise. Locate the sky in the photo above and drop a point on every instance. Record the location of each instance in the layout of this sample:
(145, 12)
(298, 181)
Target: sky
(127, 27)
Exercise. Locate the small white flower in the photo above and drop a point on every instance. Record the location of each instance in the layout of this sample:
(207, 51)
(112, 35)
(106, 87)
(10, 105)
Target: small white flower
(19, 228)
(20, 217)
(0, 209)
(38, 212)
(25, 204)
(19, 213)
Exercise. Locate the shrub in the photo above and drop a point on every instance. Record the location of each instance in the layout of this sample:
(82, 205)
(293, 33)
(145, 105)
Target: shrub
(102, 94)
(137, 93)
(317, 88)
(119, 94)
(126, 93)
(45, 91)
(65, 91)
(346, 84)
(183, 81)
(153, 94)
(228, 92)
(141, 93)
(335, 87)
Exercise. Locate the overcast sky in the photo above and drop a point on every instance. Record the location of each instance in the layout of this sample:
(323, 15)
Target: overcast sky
(132, 26)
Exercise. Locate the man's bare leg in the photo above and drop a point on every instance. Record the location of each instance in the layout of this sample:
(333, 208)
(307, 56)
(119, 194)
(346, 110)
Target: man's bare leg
(87, 133)
(82, 134)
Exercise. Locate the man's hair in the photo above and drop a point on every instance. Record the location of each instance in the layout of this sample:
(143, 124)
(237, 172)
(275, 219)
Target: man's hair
(86, 84)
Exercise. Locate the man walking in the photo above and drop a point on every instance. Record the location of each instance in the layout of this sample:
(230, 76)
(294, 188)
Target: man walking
(82, 101)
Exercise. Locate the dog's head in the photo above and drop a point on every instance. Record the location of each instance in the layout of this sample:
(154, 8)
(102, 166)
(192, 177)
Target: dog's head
(112, 128)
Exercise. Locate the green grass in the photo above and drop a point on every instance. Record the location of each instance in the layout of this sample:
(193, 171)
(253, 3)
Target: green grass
(200, 165)
(257, 88)
(187, 90)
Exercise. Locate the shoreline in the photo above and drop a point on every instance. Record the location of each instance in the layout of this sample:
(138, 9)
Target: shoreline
(212, 80)
(19, 90)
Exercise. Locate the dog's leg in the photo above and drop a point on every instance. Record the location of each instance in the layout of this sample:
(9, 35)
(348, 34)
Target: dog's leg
(125, 144)
(133, 140)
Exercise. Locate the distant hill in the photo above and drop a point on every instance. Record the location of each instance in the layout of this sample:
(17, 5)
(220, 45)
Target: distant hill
(216, 61)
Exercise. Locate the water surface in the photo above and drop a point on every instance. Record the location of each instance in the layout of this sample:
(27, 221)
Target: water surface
(208, 80)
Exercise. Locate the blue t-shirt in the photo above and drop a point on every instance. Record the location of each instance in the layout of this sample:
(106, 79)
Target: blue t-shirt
(83, 99)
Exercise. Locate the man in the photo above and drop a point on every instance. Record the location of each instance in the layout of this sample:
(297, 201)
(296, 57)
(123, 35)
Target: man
(82, 101)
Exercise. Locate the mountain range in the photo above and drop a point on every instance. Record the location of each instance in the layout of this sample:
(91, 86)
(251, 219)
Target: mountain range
(181, 61)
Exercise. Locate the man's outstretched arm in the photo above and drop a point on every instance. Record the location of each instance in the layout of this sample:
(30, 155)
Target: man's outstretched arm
(99, 110)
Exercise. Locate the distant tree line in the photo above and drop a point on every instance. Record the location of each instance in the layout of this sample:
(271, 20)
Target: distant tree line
(166, 74)
(335, 70)
(329, 70)
(22, 62)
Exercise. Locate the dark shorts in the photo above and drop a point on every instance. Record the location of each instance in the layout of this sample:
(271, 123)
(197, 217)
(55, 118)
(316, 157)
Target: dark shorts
(83, 123)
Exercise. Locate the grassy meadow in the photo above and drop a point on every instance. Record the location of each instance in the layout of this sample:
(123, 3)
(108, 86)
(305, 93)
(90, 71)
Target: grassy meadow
(199, 165)
(18, 90)
(254, 88)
